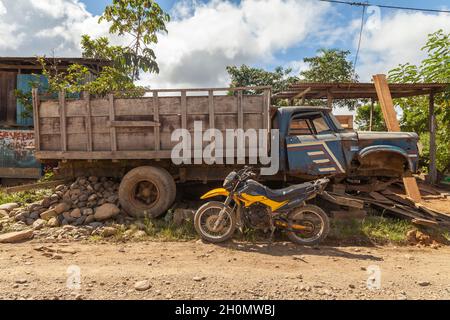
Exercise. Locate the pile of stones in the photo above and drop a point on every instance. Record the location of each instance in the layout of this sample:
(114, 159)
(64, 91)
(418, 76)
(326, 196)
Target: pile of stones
(89, 202)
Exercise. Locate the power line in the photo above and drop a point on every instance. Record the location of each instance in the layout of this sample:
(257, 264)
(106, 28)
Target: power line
(359, 40)
(366, 4)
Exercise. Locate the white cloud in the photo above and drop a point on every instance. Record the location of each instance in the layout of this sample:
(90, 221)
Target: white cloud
(204, 38)
(33, 27)
(396, 38)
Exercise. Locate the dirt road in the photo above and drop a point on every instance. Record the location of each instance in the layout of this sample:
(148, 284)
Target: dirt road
(193, 270)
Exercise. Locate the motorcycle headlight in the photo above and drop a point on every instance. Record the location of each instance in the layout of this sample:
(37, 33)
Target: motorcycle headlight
(229, 179)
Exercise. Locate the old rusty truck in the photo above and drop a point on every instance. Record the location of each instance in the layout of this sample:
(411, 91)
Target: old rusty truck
(131, 138)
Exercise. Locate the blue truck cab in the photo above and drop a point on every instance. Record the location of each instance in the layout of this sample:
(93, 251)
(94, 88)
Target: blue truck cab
(314, 144)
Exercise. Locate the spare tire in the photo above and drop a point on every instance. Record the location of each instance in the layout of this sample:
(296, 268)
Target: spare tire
(147, 192)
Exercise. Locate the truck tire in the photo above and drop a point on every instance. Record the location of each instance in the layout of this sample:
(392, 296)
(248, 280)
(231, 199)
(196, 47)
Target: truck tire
(147, 192)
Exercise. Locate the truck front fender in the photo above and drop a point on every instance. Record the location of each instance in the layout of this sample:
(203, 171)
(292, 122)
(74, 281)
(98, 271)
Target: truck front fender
(215, 193)
(388, 149)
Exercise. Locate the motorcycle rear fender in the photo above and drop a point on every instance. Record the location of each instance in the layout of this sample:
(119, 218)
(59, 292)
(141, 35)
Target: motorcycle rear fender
(215, 193)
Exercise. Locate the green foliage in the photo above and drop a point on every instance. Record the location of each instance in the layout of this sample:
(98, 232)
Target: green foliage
(362, 118)
(25, 196)
(434, 68)
(330, 65)
(245, 76)
(141, 20)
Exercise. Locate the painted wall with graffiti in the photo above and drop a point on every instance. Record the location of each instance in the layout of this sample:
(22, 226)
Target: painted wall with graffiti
(17, 149)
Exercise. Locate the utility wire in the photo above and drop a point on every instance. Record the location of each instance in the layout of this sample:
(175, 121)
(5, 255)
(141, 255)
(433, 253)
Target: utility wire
(359, 40)
(366, 4)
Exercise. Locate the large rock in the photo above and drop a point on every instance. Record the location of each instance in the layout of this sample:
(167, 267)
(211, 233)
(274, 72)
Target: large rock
(76, 213)
(47, 215)
(106, 211)
(53, 222)
(18, 236)
(9, 206)
(39, 224)
(61, 207)
(182, 215)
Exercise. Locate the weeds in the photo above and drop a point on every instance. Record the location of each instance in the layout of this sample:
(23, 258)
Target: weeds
(372, 229)
(25, 196)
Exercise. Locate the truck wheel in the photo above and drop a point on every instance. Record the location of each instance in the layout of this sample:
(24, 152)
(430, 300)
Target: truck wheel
(147, 192)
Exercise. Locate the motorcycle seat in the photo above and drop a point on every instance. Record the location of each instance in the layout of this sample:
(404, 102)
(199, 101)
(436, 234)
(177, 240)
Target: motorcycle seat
(297, 191)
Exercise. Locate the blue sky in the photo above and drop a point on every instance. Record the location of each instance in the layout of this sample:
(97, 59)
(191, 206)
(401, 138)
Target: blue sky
(310, 46)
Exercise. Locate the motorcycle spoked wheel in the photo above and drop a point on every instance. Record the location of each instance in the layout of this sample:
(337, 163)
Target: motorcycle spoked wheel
(206, 217)
(312, 217)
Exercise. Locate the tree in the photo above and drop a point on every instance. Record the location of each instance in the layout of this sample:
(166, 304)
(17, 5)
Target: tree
(434, 68)
(141, 20)
(330, 65)
(245, 76)
(362, 118)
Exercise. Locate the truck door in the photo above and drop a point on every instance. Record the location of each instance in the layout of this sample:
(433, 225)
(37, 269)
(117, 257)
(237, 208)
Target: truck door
(313, 148)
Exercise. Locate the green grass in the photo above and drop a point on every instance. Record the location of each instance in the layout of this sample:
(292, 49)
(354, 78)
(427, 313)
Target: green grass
(25, 196)
(372, 229)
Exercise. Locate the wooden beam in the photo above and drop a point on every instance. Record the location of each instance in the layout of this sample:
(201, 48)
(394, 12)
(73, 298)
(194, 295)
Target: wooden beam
(211, 109)
(432, 124)
(390, 117)
(329, 99)
(302, 94)
(156, 130)
(240, 111)
(127, 124)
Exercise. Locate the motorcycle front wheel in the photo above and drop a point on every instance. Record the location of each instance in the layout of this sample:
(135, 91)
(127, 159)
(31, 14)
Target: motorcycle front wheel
(205, 222)
(314, 220)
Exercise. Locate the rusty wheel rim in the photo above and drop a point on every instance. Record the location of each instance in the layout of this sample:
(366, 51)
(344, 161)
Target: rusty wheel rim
(146, 194)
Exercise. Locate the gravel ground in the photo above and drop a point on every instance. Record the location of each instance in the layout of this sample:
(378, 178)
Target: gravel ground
(195, 270)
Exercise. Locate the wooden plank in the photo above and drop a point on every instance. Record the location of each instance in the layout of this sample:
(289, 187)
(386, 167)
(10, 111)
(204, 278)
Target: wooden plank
(183, 110)
(211, 109)
(33, 186)
(240, 111)
(132, 124)
(102, 155)
(62, 119)
(20, 173)
(379, 197)
(390, 117)
(35, 100)
(342, 200)
(112, 118)
(88, 120)
(386, 103)
(156, 119)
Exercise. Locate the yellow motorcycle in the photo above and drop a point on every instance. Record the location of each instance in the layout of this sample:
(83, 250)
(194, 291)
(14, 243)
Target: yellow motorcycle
(249, 203)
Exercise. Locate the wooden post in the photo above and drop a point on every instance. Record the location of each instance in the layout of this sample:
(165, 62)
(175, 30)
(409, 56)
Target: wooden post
(240, 110)
(211, 109)
(112, 118)
(371, 115)
(432, 124)
(183, 109)
(62, 119)
(88, 120)
(156, 119)
(35, 97)
(329, 100)
(390, 117)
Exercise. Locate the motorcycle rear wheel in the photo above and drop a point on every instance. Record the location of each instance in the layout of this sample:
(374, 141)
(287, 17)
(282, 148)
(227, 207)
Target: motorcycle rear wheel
(207, 215)
(309, 215)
